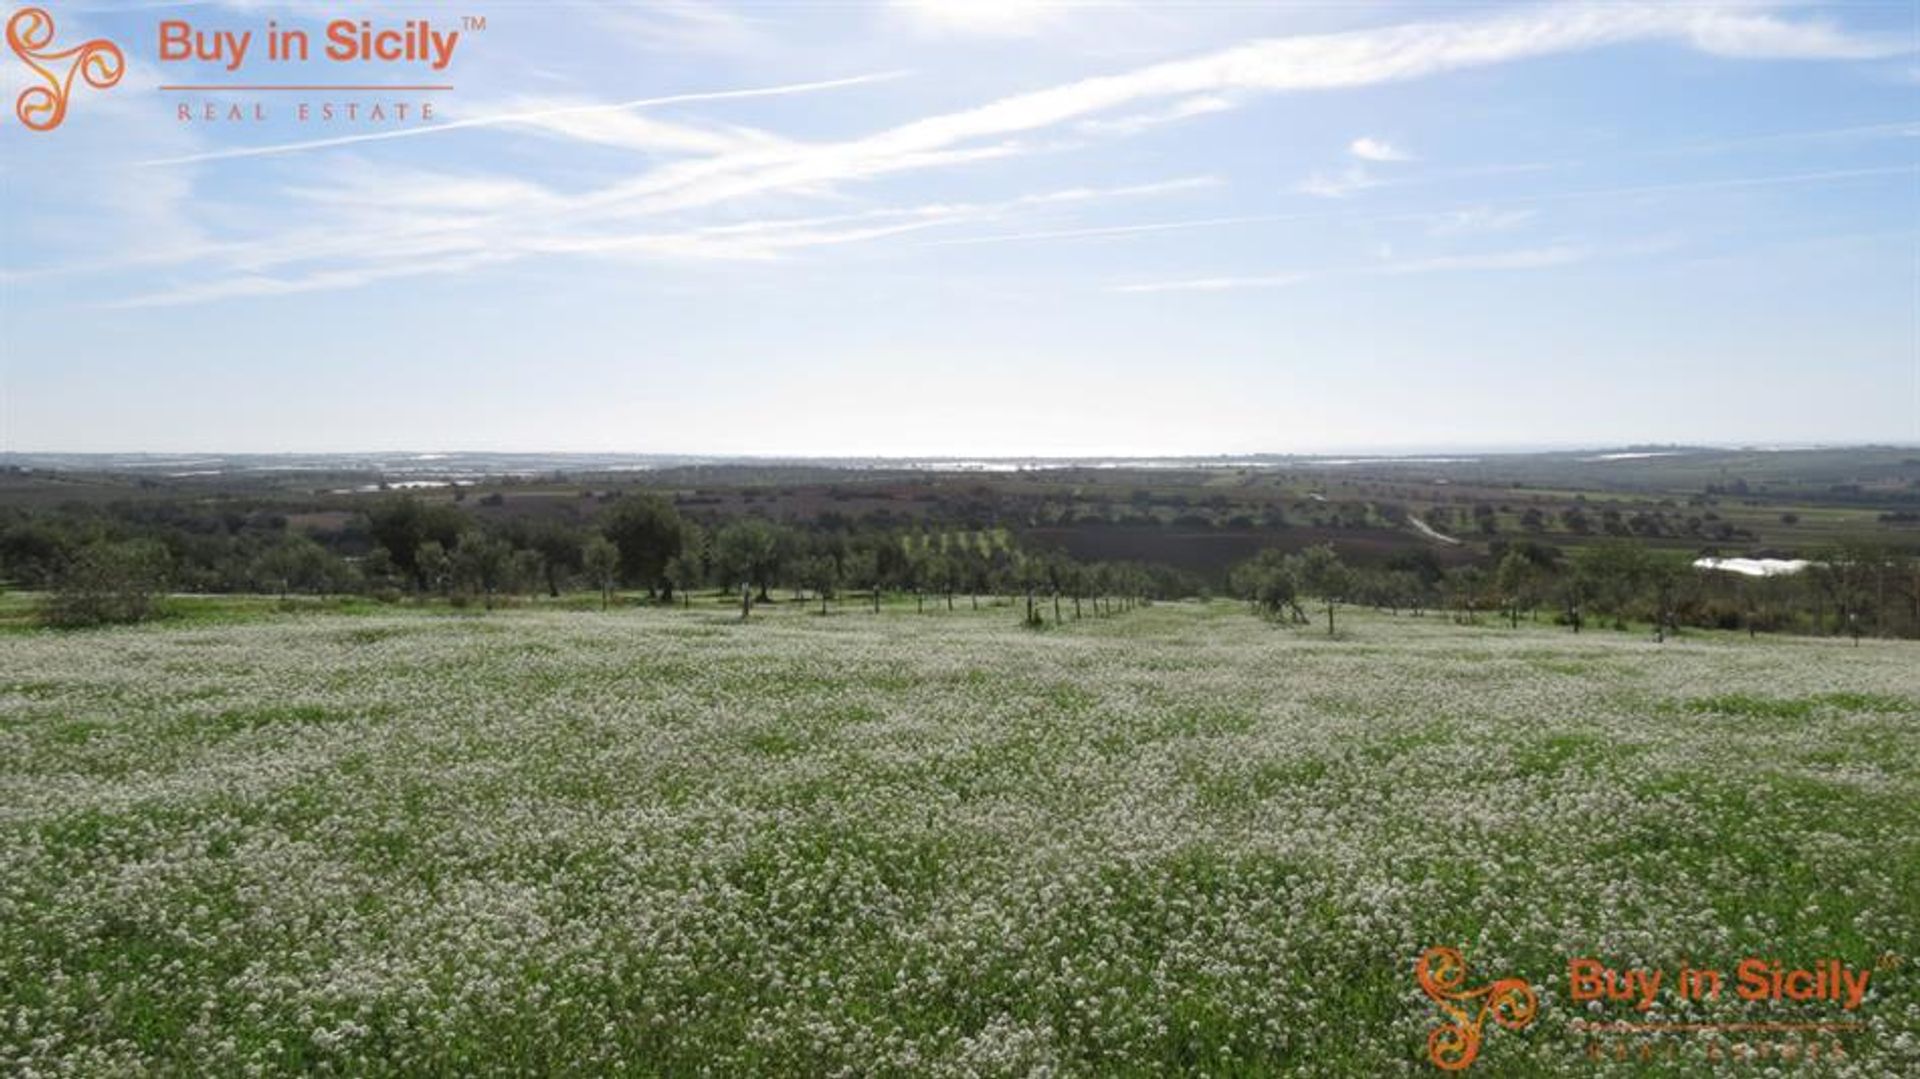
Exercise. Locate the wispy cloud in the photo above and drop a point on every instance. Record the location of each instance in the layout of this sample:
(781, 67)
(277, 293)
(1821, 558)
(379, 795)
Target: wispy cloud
(1133, 124)
(1337, 185)
(1752, 36)
(1506, 206)
(485, 222)
(1355, 177)
(1095, 231)
(1367, 148)
(1306, 62)
(1475, 219)
(681, 27)
(1217, 284)
(1535, 258)
(992, 18)
(592, 122)
(501, 218)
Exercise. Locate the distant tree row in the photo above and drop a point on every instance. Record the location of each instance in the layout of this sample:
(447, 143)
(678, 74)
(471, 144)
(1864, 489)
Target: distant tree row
(636, 543)
(115, 563)
(1848, 589)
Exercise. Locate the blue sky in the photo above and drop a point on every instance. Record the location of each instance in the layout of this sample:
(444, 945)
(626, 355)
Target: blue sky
(985, 228)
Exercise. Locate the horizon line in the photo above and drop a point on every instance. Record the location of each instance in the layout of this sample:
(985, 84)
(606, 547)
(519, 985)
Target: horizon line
(1385, 452)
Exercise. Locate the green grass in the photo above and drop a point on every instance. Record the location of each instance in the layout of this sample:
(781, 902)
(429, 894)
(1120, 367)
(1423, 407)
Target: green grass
(658, 841)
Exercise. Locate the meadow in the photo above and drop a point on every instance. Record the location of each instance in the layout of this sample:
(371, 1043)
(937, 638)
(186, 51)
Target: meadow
(1175, 840)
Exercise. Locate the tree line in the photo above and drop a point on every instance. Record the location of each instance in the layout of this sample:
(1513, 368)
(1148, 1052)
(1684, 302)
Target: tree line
(1849, 589)
(114, 564)
(99, 570)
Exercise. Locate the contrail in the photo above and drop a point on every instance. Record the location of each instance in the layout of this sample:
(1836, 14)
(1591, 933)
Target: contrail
(522, 117)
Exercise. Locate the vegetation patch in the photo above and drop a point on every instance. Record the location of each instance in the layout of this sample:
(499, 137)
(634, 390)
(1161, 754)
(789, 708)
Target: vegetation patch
(562, 841)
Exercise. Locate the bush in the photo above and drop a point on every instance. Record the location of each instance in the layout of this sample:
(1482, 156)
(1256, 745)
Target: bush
(108, 584)
(1718, 614)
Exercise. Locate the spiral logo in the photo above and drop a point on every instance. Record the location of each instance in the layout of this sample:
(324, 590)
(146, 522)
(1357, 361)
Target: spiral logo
(98, 63)
(1453, 1045)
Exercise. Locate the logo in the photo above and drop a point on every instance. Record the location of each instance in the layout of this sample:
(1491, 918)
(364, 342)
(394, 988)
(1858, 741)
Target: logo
(97, 62)
(1453, 1045)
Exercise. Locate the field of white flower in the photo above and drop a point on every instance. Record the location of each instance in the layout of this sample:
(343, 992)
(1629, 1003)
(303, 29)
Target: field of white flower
(1176, 840)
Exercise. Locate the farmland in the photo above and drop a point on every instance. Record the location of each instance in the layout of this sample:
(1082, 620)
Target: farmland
(1179, 839)
(1197, 515)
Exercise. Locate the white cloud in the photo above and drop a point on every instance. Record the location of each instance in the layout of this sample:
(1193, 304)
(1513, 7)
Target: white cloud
(485, 221)
(1479, 219)
(1120, 230)
(575, 119)
(1487, 218)
(992, 18)
(1367, 148)
(1355, 177)
(716, 164)
(1306, 62)
(1133, 124)
(687, 26)
(1337, 185)
(1536, 258)
(1762, 37)
(594, 122)
(1216, 284)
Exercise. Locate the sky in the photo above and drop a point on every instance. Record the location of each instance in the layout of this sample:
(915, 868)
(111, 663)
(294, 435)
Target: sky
(978, 228)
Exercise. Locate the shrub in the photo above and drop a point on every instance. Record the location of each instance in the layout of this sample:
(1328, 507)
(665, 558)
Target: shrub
(106, 584)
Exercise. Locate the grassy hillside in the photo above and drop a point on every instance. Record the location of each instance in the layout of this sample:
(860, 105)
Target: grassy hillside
(1177, 840)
